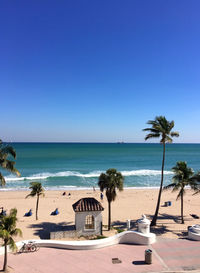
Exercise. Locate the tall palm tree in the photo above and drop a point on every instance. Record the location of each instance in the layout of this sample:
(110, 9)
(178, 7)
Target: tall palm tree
(5, 163)
(7, 231)
(110, 182)
(184, 176)
(36, 190)
(161, 127)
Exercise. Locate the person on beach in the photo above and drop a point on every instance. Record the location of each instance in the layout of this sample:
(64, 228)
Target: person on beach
(101, 196)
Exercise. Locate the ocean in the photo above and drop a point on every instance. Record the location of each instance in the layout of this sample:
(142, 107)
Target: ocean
(70, 166)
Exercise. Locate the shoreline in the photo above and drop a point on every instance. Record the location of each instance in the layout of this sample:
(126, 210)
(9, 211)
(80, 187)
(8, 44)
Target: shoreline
(72, 188)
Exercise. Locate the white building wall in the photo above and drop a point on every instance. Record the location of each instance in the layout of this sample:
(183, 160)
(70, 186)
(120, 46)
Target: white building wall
(80, 222)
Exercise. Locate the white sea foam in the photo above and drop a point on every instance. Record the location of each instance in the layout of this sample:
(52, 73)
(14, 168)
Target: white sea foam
(144, 172)
(43, 176)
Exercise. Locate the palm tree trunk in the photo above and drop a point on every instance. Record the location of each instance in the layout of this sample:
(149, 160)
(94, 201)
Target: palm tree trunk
(5, 257)
(182, 220)
(109, 215)
(154, 220)
(37, 207)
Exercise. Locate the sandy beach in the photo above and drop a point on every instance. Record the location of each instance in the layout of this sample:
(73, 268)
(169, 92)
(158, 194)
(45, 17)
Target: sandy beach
(129, 204)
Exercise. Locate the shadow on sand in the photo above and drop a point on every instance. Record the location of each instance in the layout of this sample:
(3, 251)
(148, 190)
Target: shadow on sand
(165, 216)
(159, 230)
(43, 229)
(161, 227)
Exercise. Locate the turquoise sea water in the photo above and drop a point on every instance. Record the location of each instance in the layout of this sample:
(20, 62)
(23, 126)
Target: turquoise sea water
(78, 165)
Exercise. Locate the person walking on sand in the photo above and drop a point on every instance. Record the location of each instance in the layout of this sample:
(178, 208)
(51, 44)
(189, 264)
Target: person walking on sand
(101, 196)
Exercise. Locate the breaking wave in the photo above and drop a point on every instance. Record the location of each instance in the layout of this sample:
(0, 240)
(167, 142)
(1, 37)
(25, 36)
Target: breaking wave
(44, 176)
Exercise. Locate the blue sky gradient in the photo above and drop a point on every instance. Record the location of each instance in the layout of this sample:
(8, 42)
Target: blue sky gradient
(97, 71)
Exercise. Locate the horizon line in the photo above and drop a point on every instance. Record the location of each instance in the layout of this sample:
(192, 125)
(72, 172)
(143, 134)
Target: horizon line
(96, 142)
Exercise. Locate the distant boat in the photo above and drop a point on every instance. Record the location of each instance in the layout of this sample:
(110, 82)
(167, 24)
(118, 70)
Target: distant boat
(120, 142)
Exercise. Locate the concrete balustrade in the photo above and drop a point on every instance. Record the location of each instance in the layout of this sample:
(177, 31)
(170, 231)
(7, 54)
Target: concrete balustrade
(194, 232)
(126, 237)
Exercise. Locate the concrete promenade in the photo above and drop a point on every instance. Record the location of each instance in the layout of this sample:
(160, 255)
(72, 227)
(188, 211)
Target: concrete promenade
(168, 256)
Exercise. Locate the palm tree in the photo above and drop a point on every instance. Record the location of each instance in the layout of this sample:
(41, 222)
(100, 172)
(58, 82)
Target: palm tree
(161, 127)
(110, 182)
(184, 176)
(5, 151)
(36, 190)
(7, 231)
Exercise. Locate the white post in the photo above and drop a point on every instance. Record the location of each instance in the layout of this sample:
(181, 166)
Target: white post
(128, 224)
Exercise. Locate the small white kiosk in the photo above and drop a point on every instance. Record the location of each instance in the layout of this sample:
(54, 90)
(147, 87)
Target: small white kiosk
(88, 217)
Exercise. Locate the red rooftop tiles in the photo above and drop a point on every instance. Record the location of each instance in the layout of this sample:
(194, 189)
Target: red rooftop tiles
(87, 204)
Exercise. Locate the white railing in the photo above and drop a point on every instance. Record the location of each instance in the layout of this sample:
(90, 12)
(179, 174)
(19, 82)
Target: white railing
(126, 237)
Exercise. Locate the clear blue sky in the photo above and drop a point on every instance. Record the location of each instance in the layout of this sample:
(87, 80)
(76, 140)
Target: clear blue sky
(98, 70)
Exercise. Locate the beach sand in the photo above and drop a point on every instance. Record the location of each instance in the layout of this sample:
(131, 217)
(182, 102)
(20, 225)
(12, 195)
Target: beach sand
(129, 204)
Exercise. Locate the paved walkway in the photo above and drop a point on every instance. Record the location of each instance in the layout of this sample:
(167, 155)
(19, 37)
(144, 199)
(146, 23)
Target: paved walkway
(168, 255)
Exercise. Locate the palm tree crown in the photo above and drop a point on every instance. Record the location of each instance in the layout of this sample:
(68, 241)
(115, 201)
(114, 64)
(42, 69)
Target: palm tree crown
(36, 190)
(160, 127)
(110, 182)
(183, 176)
(5, 163)
(7, 231)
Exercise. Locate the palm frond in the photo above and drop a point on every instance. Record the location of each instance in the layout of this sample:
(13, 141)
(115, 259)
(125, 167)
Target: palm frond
(12, 244)
(9, 165)
(13, 212)
(169, 186)
(152, 130)
(3, 233)
(103, 183)
(196, 178)
(5, 163)
(8, 150)
(174, 134)
(16, 232)
(32, 194)
(171, 125)
(168, 139)
(176, 187)
(196, 192)
(152, 136)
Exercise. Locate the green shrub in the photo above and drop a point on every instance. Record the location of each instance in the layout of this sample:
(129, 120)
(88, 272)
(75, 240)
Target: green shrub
(119, 230)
